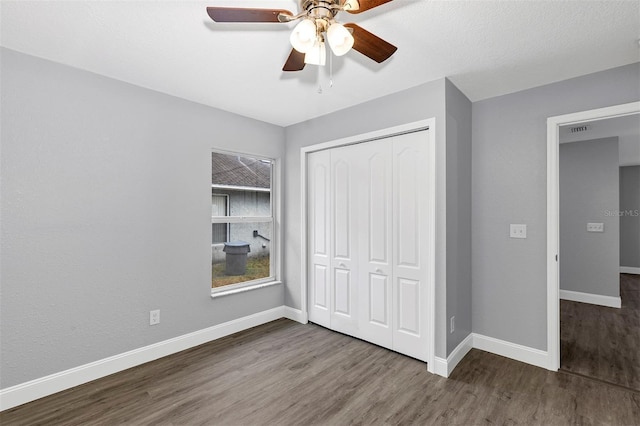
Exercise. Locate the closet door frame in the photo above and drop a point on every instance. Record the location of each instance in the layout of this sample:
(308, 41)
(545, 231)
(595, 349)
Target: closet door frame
(428, 124)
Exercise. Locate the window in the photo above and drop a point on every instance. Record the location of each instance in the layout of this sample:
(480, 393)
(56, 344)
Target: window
(242, 224)
(219, 207)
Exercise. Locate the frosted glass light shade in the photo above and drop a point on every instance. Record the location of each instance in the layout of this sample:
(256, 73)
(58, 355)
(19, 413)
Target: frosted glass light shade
(303, 36)
(340, 39)
(317, 55)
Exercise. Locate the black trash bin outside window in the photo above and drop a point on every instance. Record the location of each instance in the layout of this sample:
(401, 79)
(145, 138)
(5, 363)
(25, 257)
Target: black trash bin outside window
(236, 257)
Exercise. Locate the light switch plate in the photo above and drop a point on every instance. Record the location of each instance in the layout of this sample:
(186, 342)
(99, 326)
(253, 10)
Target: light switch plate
(595, 227)
(518, 231)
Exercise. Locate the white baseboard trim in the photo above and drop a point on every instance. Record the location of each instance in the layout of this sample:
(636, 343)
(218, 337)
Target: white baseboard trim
(295, 315)
(38, 388)
(444, 367)
(440, 367)
(594, 299)
(511, 350)
(629, 270)
(458, 353)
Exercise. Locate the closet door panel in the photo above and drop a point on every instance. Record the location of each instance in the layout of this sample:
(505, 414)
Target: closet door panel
(343, 229)
(321, 287)
(408, 186)
(344, 219)
(375, 230)
(410, 334)
(343, 290)
(378, 301)
(377, 215)
(408, 306)
(318, 181)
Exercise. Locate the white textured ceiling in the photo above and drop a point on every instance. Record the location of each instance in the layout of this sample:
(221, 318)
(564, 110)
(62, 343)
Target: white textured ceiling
(486, 48)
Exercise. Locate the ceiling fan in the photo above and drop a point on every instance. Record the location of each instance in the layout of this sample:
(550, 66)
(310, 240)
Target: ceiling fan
(317, 24)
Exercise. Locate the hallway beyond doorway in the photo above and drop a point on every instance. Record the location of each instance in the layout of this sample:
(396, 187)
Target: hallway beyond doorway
(602, 342)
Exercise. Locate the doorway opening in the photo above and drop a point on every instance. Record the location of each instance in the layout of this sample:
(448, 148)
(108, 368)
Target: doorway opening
(594, 333)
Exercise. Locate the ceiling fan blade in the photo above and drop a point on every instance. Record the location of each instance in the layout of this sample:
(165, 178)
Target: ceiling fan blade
(239, 14)
(295, 61)
(368, 4)
(370, 44)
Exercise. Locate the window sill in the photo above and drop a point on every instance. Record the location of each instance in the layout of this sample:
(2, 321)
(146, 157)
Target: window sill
(221, 293)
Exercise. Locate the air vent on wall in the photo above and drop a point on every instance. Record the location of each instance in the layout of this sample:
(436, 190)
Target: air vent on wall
(579, 129)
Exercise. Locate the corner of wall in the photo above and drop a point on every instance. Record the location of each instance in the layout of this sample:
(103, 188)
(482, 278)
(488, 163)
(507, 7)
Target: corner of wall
(458, 206)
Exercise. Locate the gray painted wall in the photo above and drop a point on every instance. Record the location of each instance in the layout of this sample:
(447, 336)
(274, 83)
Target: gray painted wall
(106, 215)
(630, 216)
(589, 192)
(509, 186)
(419, 103)
(458, 215)
(629, 147)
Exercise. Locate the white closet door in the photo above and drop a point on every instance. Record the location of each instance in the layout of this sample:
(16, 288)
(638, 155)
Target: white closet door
(375, 242)
(344, 261)
(319, 243)
(410, 245)
(369, 239)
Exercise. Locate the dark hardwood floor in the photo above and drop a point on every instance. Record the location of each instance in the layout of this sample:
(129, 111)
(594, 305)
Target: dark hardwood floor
(285, 373)
(601, 342)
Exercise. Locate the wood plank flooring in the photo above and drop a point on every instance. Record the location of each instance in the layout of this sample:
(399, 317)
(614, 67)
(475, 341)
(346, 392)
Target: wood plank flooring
(601, 342)
(285, 373)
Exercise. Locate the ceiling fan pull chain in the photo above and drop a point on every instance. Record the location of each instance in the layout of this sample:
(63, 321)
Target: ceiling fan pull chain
(319, 80)
(330, 69)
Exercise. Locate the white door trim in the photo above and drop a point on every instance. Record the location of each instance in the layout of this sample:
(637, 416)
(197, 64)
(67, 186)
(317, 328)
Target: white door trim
(553, 216)
(380, 134)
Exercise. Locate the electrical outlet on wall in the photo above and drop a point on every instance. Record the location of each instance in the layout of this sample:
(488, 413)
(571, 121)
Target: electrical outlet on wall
(517, 230)
(595, 227)
(452, 328)
(154, 317)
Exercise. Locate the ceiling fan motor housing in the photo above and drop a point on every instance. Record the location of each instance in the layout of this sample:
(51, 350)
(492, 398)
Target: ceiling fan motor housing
(320, 9)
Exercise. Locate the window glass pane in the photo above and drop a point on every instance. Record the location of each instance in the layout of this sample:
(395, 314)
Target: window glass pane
(219, 205)
(219, 233)
(245, 181)
(245, 256)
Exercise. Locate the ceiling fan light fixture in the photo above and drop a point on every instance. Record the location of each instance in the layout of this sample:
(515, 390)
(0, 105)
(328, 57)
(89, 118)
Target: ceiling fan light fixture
(340, 39)
(303, 36)
(351, 5)
(316, 24)
(317, 55)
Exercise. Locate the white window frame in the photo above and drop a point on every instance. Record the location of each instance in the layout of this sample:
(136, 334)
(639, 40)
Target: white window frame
(275, 250)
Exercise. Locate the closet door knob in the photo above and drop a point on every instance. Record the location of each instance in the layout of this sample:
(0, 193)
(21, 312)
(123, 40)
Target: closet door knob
(342, 265)
(378, 271)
